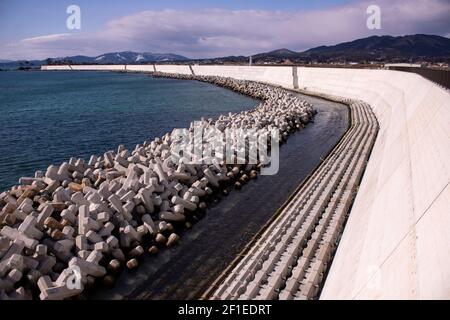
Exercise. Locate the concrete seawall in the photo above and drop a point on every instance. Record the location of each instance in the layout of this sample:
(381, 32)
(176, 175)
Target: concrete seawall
(396, 242)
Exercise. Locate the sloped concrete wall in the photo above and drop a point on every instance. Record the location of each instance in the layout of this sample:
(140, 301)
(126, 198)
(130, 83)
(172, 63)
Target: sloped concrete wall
(140, 68)
(55, 68)
(281, 76)
(397, 242)
(182, 69)
(111, 67)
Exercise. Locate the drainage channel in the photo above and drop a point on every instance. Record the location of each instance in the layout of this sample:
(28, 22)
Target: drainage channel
(292, 255)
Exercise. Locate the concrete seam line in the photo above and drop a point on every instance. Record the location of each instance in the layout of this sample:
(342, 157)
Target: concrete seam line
(401, 240)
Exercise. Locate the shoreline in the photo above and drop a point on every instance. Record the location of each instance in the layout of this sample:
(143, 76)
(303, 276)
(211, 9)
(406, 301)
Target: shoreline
(46, 222)
(114, 108)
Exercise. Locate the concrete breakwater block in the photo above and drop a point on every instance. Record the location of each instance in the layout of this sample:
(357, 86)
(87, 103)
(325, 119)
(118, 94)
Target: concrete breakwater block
(81, 221)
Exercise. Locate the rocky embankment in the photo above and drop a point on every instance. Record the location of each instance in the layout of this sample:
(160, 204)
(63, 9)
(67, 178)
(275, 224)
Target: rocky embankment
(81, 222)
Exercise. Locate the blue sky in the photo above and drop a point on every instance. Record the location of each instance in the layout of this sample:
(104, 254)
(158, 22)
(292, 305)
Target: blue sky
(37, 29)
(27, 18)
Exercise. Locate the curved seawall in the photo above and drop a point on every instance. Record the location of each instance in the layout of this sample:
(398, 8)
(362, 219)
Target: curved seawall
(396, 241)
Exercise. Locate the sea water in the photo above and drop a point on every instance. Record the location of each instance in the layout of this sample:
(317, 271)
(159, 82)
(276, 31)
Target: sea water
(46, 117)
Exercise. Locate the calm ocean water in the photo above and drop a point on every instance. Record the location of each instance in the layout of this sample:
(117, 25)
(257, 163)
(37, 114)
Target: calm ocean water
(47, 117)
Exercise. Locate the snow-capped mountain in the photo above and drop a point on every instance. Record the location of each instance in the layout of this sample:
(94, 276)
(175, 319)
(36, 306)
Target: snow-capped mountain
(127, 57)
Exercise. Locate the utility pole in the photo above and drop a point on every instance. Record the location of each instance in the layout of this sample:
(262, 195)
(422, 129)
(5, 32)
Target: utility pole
(250, 61)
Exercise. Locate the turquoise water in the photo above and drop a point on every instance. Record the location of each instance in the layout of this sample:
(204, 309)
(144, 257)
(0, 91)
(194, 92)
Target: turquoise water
(48, 117)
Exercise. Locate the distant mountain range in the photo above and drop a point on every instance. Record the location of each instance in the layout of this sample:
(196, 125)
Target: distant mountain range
(134, 57)
(276, 54)
(417, 47)
(124, 57)
(410, 48)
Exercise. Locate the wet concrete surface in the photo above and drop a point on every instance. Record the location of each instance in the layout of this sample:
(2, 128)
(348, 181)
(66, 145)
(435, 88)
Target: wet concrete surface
(187, 270)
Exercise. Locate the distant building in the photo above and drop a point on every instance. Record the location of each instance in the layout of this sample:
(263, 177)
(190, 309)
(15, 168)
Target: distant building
(408, 65)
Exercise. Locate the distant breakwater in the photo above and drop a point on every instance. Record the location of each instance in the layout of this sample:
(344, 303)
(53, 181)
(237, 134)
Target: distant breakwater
(87, 220)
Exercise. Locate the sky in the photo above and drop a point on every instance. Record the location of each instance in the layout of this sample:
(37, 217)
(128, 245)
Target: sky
(36, 29)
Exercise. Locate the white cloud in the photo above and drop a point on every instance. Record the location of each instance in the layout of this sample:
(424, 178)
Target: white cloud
(217, 32)
(46, 38)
